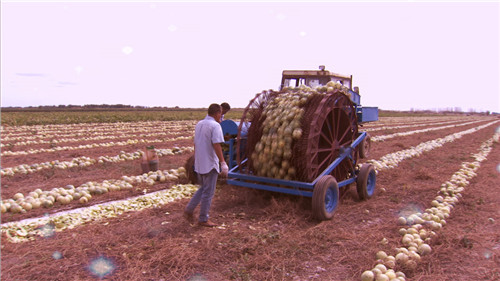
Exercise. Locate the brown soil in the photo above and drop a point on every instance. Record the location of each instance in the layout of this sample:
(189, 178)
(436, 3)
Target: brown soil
(269, 236)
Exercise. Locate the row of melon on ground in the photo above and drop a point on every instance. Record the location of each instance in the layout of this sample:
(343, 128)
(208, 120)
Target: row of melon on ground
(86, 161)
(389, 161)
(84, 192)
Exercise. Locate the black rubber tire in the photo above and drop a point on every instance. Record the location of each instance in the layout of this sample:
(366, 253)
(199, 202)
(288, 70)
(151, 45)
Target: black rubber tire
(190, 173)
(325, 198)
(365, 146)
(365, 182)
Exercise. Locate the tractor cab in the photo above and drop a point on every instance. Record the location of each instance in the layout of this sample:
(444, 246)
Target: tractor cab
(314, 78)
(317, 78)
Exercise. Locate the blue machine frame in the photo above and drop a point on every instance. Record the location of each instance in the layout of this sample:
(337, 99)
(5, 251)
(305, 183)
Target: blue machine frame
(287, 186)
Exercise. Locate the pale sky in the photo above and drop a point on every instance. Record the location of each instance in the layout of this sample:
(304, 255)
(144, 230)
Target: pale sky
(402, 55)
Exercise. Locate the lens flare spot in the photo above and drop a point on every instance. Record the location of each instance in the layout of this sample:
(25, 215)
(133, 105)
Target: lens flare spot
(127, 50)
(496, 136)
(498, 168)
(409, 210)
(172, 28)
(78, 69)
(487, 254)
(57, 255)
(101, 267)
(47, 230)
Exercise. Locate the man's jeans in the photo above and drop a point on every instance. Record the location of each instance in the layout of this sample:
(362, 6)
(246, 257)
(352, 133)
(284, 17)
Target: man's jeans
(204, 194)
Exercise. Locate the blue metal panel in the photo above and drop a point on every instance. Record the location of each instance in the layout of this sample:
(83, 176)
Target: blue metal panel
(230, 155)
(355, 97)
(367, 114)
(229, 127)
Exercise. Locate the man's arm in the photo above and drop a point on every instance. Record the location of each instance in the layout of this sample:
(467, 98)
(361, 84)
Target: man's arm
(218, 151)
(223, 165)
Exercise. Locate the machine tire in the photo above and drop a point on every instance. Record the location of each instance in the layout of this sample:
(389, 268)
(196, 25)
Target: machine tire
(365, 182)
(365, 146)
(190, 173)
(325, 198)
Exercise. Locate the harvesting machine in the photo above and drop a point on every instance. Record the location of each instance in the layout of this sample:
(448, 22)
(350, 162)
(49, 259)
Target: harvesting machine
(303, 140)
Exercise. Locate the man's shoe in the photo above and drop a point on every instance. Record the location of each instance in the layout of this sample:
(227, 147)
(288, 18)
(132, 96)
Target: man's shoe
(206, 224)
(189, 217)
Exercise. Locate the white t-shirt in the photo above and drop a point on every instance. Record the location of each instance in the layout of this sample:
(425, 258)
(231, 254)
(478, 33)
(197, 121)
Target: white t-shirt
(206, 133)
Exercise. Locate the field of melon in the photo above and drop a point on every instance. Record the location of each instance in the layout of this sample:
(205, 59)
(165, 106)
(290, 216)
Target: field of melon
(76, 206)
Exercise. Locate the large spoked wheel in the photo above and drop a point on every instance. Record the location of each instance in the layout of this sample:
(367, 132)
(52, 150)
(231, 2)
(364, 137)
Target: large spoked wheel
(325, 198)
(252, 115)
(365, 146)
(333, 128)
(365, 183)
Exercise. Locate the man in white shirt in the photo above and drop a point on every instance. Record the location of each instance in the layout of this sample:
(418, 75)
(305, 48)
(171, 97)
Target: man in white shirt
(208, 154)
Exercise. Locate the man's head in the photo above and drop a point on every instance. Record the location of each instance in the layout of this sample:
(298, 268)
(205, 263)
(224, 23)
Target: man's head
(215, 111)
(225, 107)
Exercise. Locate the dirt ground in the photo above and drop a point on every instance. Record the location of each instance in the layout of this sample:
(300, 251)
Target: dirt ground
(264, 235)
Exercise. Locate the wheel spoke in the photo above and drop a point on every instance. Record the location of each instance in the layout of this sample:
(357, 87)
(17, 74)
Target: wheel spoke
(338, 124)
(330, 127)
(323, 149)
(346, 137)
(327, 159)
(331, 118)
(325, 137)
(344, 134)
(314, 156)
(347, 142)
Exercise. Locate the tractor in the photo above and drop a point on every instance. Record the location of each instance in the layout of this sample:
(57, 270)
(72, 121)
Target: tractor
(304, 140)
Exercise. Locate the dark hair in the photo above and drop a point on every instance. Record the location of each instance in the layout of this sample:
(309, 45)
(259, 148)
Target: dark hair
(213, 109)
(226, 106)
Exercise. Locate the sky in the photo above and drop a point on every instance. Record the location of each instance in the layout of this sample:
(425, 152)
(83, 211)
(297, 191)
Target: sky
(402, 55)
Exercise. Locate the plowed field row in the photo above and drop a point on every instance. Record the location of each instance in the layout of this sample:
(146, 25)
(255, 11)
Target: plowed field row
(381, 164)
(261, 235)
(43, 130)
(86, 145)
(60, 140)
(19, 188)
(395, 121)
(85, 161)
(97, 130)
(428, 124)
